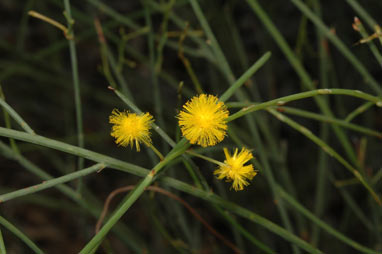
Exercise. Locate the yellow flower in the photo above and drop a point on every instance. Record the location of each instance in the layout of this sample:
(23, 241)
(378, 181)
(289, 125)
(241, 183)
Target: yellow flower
(234, 169)
(203, 120)
(130, 128)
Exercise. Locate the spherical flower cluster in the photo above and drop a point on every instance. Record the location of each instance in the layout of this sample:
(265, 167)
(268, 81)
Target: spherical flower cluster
(131, 128)
(203, 120)
(234, 169)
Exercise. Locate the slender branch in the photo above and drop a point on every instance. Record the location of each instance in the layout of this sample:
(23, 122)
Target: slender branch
(250, 107)
(76, 85)
(51, 183)
(20, 235)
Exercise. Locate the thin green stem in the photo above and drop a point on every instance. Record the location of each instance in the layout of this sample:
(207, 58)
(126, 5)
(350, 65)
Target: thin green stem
(16, 116)
(282, 100)
(326, 119)
(156, 151)
(23, 28)
(377, 177)
(245, 77)
(190, 152)
(351, 203)
(163, 38)
(109, 11)
(244, 232)
(359, 110)
(20, 235)
(8, 153)
(76, 85)
(130, 199)
(322, 165)
(51, 183)
(2, 245)
(153, 58)
(320, 197)
(322, 224)
(221, 60)
(7, 122)
(327, 149)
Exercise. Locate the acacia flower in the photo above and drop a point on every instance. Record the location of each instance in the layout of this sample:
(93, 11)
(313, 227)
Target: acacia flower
(129, 128)
(203, 120)
(234, 169)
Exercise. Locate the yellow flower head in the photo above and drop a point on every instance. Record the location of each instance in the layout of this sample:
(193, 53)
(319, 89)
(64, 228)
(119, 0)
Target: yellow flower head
(203, 120)
(129, 128)
(234, 169)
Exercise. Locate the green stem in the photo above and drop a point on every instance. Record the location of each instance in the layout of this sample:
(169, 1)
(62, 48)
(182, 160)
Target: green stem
(109, 11)
(51, 183)
(2, 245)
(327, 149)
(320, 197)
(282, 100)
(7, 122)
(359, 111)
(131, 198)
(326, 119)
(20, 235)
(245, 77)
(16, 116)
(322, 224)
(205, 158)
(76, 86)
(156, 151)
(244, 232)
(322, 165)
(223, 63)
(153, 57)
(352, 204)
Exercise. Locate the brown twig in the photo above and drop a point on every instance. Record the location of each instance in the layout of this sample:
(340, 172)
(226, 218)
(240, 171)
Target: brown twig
(172, 196)
(98, 27)
(60, 26)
